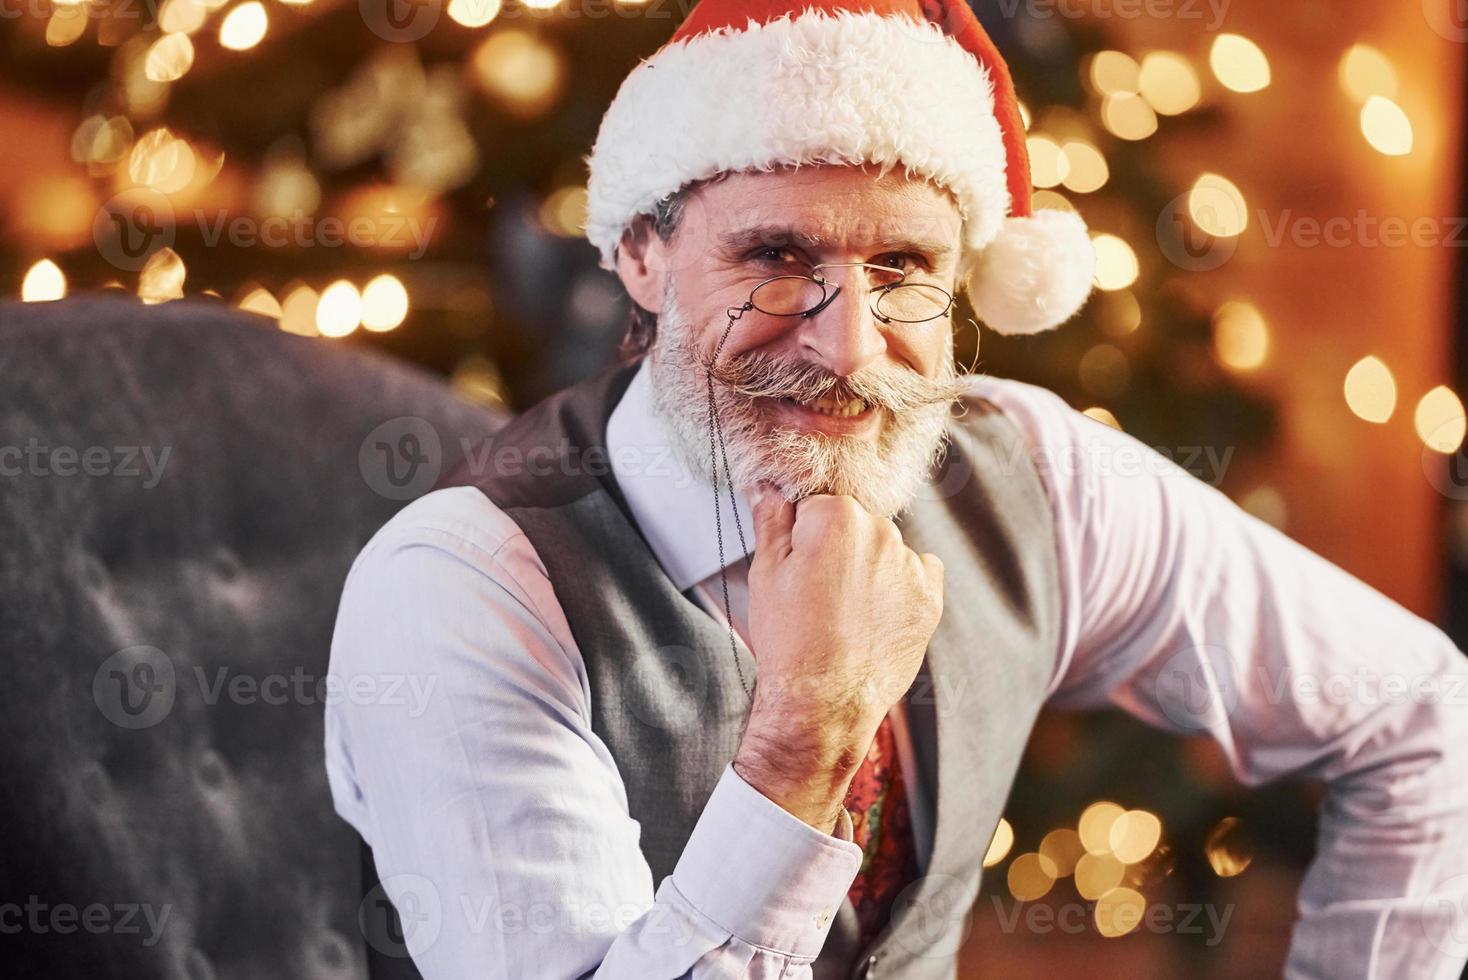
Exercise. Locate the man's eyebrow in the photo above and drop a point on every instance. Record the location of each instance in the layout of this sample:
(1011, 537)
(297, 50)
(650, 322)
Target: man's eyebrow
(741, 240)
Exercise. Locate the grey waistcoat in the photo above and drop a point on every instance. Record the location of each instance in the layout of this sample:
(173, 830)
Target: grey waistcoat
(666, 697)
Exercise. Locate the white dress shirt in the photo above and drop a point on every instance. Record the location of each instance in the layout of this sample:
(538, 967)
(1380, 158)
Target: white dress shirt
(498, 816)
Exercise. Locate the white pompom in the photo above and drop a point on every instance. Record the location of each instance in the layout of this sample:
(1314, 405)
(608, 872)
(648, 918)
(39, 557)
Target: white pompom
(1035, 275)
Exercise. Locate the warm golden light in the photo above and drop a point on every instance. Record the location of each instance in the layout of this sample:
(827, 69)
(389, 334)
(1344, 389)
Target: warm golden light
(1103, 416)
(474, 13)
(162, 278)
(1095, 826)
(1063, 848)
(67, 25)
(1104, 371)
(1134, 835)
(1364, 71)
(259, 300)
(1128, 116)
(1217, 206)
(1114, 73)
(1086, 169)
(1031, 875)
(1048, 165)
(1440, 421)
(43, 283)
(1238, 63)
(1119, 313)
(1097, 874)
(563, 212)
(1168, 82)
(1000, 844)
(1116, 263)
(384, 303)
(181, 16)
(1386, 127)
(1371, 392)
(298, 311)
(339, 312)
(1227, 852)
(161, 161)
(1119, 912)
(519, 70)
(244, 26)
(1240, 336)
(169, 58)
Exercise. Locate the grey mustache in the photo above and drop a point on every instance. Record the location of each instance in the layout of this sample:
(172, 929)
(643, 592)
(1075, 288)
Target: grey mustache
(760, 375)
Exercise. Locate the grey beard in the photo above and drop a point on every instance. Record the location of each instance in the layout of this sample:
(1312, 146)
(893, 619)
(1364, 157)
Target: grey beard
(883, 476)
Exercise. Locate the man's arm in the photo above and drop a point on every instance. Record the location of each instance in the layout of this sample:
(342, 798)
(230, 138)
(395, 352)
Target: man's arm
(497, 817)
(1194, 616)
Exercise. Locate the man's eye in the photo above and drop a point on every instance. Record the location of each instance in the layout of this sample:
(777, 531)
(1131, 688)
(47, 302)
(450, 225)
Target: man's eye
(772, 254)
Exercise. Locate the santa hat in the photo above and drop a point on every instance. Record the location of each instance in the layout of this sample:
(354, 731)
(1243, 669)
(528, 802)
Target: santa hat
(755, 84)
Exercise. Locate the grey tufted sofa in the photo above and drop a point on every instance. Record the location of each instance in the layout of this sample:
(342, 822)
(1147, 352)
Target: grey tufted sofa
(182, 490)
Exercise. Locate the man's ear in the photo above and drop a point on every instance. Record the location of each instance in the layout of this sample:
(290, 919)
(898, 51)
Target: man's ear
(642, 265)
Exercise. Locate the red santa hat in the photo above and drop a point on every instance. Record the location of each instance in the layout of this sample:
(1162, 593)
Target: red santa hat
(747, 85)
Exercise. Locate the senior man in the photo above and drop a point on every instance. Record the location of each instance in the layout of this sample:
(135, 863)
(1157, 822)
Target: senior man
(653, 755)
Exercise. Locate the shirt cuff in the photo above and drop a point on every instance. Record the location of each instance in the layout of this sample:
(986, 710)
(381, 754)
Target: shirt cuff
(763, 875)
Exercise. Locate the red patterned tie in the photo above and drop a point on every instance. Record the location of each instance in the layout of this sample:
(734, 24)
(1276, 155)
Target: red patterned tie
(882, 827)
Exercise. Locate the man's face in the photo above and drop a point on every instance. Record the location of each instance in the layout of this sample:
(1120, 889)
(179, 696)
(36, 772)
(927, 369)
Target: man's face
(839, 402)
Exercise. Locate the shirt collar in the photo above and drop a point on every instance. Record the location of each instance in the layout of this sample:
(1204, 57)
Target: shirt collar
(673, 506)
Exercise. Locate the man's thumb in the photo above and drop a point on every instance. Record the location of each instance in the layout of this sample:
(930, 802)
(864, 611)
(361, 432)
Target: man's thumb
(774, 518)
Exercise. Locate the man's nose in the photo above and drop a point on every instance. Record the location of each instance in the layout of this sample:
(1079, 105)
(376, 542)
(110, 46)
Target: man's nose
(844, 337)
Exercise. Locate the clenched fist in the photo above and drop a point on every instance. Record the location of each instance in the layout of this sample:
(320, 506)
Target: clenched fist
(840, 615)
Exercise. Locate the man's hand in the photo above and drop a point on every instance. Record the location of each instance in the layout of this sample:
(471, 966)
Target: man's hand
(840, 614)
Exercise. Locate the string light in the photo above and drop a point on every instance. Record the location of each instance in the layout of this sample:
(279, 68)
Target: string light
(1119, 912)
(1063, 849)
(384, 303)
(1440, 421)
(1000, 844)
(1048, 165)
(258, 300)
(1364, 71)
(1030, 876)
(1226, 850)
(1168, 82)
(43, 283)
(1128, 116)
(1240, 336)
(1115, 73)
(162, 278)
(1134, 835)
(169, 58)
(1086, 169)
(244, 26)
(1238, 63)
(1217, 206)
(1116, 263)
(474, 13)
(1386, 127)
(298, 311)
(1371, 392)
(339, 312)
(1095, 826)
(1103, 416)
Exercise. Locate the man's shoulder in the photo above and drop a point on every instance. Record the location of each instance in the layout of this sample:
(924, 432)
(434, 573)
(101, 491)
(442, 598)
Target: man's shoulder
(459, 520)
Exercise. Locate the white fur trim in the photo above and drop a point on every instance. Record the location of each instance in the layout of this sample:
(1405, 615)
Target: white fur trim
(851, 88)
(1035, 275)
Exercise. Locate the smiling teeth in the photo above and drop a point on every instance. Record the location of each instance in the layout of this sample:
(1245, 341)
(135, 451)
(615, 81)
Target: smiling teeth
(840, 409)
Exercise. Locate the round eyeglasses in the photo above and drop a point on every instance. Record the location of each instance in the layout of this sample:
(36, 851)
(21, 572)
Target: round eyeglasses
(894, 301)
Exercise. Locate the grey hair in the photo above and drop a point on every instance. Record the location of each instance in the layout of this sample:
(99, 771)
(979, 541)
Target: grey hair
(642, 325)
